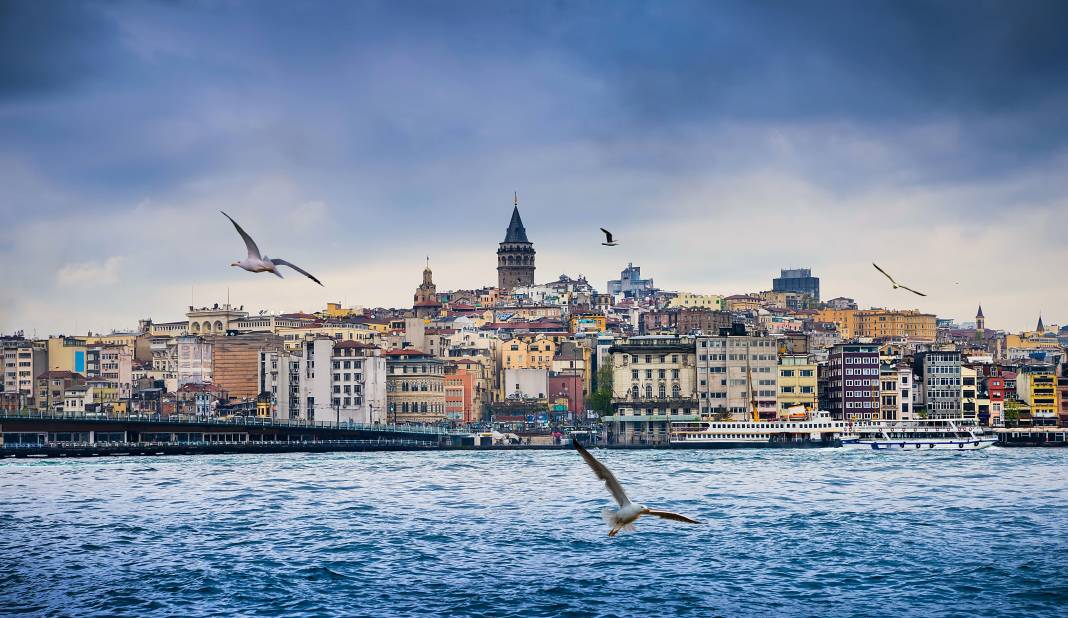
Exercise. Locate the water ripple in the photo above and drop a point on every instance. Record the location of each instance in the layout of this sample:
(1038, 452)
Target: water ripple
(798, 533)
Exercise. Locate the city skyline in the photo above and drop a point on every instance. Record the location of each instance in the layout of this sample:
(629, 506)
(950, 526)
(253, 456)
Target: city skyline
(381, 133)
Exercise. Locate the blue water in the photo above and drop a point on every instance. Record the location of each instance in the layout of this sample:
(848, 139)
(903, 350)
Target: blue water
(831, 532)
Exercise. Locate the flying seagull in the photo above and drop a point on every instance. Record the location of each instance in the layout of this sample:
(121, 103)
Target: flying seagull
(896, 284)
(624, 517)
(608, 239)
(255, 263)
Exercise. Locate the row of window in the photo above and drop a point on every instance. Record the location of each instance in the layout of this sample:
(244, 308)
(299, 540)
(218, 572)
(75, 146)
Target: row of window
(660, 373)
(634, 358)
(789, 373)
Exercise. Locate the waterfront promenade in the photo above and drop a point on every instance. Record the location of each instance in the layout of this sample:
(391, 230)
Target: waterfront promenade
(56, 434)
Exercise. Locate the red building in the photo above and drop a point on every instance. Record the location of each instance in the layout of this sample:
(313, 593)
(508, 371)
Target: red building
(568, 385)
(459, 393)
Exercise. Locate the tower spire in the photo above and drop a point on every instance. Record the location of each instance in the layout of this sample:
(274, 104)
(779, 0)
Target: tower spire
(515, 199)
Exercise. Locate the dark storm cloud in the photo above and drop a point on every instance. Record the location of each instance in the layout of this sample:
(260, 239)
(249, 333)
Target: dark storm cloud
(48, 48)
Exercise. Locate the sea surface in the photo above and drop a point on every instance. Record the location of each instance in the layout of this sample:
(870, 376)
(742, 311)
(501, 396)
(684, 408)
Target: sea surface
(823, 532)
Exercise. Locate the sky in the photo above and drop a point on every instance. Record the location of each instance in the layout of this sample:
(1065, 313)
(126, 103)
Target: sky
(719, 141)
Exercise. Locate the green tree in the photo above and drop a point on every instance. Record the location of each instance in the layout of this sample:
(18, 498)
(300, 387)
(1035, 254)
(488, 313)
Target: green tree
(601, 398)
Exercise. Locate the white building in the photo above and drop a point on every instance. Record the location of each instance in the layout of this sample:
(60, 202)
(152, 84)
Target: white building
(526, 383)
(326, 380)
(731, 369)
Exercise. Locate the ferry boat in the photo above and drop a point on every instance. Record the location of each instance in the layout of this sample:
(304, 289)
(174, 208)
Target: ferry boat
(817, 429)
(956, 434)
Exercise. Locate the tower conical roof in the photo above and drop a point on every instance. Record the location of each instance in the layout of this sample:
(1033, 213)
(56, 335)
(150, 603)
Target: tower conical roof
(516, 231)
(1041, 327)
(980, 313)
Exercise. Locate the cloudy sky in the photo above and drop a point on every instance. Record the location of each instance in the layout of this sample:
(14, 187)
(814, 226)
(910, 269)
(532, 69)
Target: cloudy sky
(721, 141)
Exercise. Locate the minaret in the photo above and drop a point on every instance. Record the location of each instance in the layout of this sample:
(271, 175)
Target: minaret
(515, 255)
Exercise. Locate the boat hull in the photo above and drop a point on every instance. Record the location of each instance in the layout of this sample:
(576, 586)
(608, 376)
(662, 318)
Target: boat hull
(693, 444)
(921, 445)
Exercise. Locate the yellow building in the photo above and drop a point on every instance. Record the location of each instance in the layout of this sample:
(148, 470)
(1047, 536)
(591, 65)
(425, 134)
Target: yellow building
(516, 353)
(335, 310)
(294, 337)
(797, 382)
(881, 323)
(704, 301)
(594, 322)
(66, 354)
(1039, 390)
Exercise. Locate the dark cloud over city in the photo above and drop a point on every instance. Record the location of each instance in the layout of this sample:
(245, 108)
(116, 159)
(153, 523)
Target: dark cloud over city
(723, 140)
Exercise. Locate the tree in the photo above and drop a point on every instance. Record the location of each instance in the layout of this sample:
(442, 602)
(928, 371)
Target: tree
(601, 398)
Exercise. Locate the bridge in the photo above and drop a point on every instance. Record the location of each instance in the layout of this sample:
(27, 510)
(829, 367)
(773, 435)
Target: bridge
(26, 433)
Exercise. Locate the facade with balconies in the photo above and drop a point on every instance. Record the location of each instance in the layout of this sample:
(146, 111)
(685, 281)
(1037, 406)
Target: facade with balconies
(653, 385)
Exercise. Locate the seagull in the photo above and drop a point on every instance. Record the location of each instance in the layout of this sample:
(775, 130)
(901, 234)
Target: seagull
(896, 284)
(255, 263)
(624, 517)
(608, 239)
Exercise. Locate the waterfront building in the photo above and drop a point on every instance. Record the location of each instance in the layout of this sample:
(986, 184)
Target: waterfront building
(798, 280)
(653, 383)
(1062, 397)
(358, 382)
(459, 391)
(630, 283)
(992, 388)
(850, 382)
(733, 371)
(568, 386)
(895, 392)
(279, 381)
(797, 382)
(112, 363)
(515, 255)
(1037, 387)
(940, 372)
(22, 362)
(415, 387)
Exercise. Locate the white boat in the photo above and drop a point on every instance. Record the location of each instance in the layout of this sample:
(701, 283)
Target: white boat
(956, 434)
(816, 429)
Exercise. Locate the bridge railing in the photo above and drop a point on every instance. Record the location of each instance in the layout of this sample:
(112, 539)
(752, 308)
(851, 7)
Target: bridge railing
(236, 421)
(207, 443)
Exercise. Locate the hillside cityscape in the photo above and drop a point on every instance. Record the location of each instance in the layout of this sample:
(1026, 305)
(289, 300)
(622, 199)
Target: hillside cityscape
(562, 353)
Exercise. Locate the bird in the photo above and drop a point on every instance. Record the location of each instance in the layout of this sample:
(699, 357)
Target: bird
(895, 283)
(608, 239)
(255, 263)
(624, 517)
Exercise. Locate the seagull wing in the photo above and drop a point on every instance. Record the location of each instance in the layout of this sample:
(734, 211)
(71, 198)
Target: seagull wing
(903, 287)
(607, 234)
(280, 262)
(253, 250)
(604, 474)
(884, 272)
(670, 515)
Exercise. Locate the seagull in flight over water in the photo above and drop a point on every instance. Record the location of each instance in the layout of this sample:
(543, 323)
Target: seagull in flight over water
(624, 517)
(255, 263)
(608, 239)
(896, 284)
